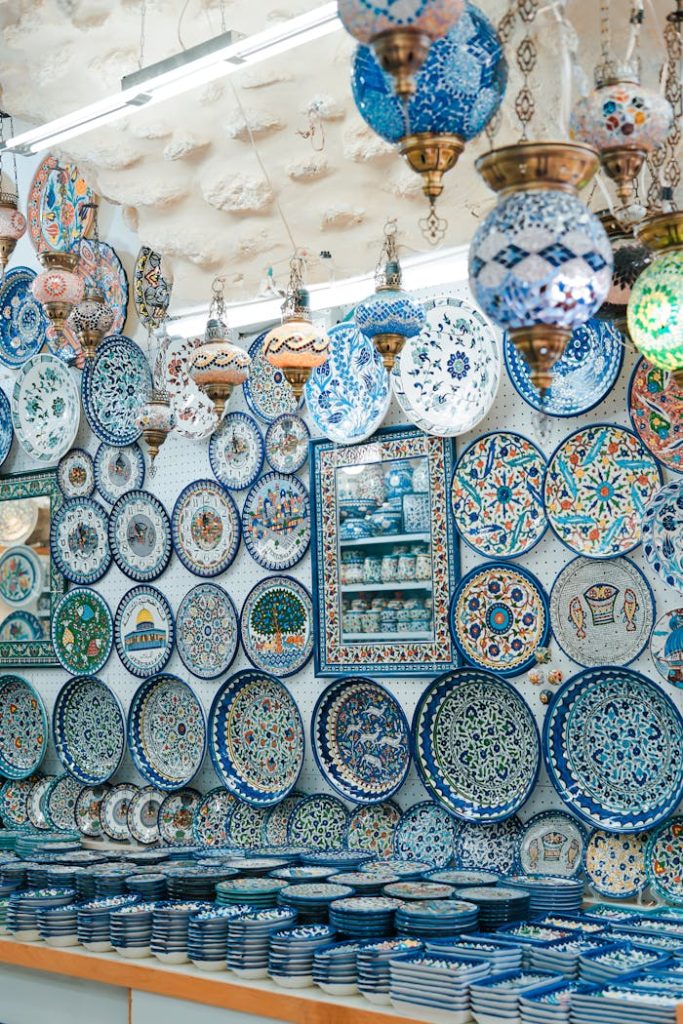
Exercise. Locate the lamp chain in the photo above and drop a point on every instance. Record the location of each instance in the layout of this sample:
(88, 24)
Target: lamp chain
(527, 58)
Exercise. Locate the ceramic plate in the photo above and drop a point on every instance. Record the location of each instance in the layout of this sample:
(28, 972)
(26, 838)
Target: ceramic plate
(266, 390)
(655, 405)
(666, 646)
(598, 482)
(23, 728)
(276, 823)
(176, 815)
(477, 747)
(552, 843)
(22, 319)
(447, 376)
(372, 828)
(601, 612)
(663, 533)
(210, 816)
(57, 206)
(583, 376)
(88, 730)
(497, 495)
(206, 528)
(613, 745)
(118, 470)
(236, 451)
(488, 847)
(664, 861)
(59, 802)
(6, 428)
(256, 738)
(115, 386)
(144, 630)
(426, 832)
(34, 802)
(166, 732)
(276, 521)
(349, 395)
(21, 576)
(100, 267)
(140, 536)
(46, 408)
(318, 821)
(82, 631)
(151, 288)
(287, 440)
(14, 794)
(79, 540)
(361, 740)
(76, 474)
(21, 627)
(615, 863)
(276, 625)
(244, 825)
(499, 618)
(207, 631)
(143, 815)
(193, 411)
(114, 811)
(17, 521)
(88, 810)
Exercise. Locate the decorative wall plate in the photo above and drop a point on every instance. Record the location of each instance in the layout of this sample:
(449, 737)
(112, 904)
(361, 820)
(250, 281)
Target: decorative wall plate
(613, 745)
(101, 268)
(34, 803)
(236, 451)
(22, 319)
(499, 618)
(118, 470)
(447, 376)
(151, 288)
(256, 738)
(615, 863)
(82, 631)
(23, 728)
(287, 440)
(276, 625)
(210, 816)
(601, 612)
(276, 823)
(88, 809)
(244, 825)
(663, 533)
(598, 482)
(349, 395)
(276, 521)
(140, 536)
(57, 206)
(361, 740)
(114, 811)
(266, 390)
(477, 747)
(76, 474)
(207, 635)
(318, 821)
(21, 627)
(6, 428)
(14, 794)
(664, 861)
(166, 732)
(497, 495)
(372, 828)
(144, 630)
(89, 730)
(666, 646)
(17, 521)
(143, 815)
(206, 528)
(426, 832)
(552, 843)
(488, 847)
(79, 540)
(21, 576)
(193, 411)
(115, 386)
(582, 377)
(46, 408)
(59, 802)
(655, 405)
(176, 814)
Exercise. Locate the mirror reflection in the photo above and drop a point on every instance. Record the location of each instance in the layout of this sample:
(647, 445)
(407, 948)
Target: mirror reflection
(25, 569)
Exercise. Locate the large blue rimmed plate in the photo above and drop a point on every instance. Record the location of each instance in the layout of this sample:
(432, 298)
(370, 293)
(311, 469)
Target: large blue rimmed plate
(22, 319)
(319, 821)
(166, 732)
(276, 521)
(23, 728)
(144, 630)
(89, 730)
(206, 528)
(426, 833)
(663, 533)
(276, 625)
(266, 390)
(613, 747)
(114, 387)
(477, 747)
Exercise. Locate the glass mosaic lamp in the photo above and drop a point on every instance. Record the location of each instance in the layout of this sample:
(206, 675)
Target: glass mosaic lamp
(93, 317)
(156, 421)
(297, 345)
(217, 364)
(58, 287)
(630, 260)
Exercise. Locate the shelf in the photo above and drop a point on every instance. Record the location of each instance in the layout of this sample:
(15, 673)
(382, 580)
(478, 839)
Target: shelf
(356, 588)
(391, 538)
(394, 638)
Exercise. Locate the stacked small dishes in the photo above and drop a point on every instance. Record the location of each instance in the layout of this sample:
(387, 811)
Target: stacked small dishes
(291, 951)
(563, 957)
(248, 940)
(334, 968)
(364, 917)
(498, 905)
(23, 907)
(207, 936)
(93, 921)
(497, 996)
(148, 886)
(258, 892)
(312, 899)
(131, 930)
(602, 965)
(195, 882)
(372, 963)
(57, 925)
(435, 983)
(434, 918)
(548, 894)
(531, 936)
(501, 955)
(170, 922)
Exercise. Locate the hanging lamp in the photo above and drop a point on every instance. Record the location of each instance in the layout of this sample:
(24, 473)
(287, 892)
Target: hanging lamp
(156, 419)
(12, 222)
(58, 287)
(216, 364)
(92, 318)
(631, 258)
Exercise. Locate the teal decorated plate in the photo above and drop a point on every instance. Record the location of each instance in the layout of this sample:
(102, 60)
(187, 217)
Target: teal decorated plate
(115, 386)
(22, 319)
(320, 822)
(144, 630)
(207, 632)
(276, 625)
(46, 408)
(23, 728)
(166, 732)
(426, 833)
(88, 729)
(82, 631)
(21, 576)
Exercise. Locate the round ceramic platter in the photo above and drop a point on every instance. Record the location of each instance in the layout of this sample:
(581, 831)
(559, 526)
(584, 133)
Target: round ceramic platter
(88, 810)
(6, 428)
(613, 745)
(499, 618)
(552, 843)
(601, 612)
(115, 386)
(34, 802)
(82, 631)
(256, 738)
(372, 828)
(22, 319)
(361, 740)
(89, 730)
(488, 847)
(244, 825)
(46, 408)
(655, 405)
(57, 206)
(666, 646)
(144, 630)
(477, 746)
(615, 863)
(206, 528)
(318, 821)
(59, 802)
(143, 815)
(266, 390)
(21, 576)
(582, 377)
(79, 540)
(287, 440)
(276, 823)
(207, 632)
(348, 396)
(166, 732)
(118, 470)
(664, 861)
(176, 815)
(193, 411)
(210, 816)
(426, 832)
(140, 536)
(236, 451)
(598, 482)
(663, 534)
(497, 495)
(76, 474)
(447, 376)
(114, 811)
(21, 627)
(23, 728)
(276, 625)
(151, 289)
(276, 521)
(14, 794)
(101, 268)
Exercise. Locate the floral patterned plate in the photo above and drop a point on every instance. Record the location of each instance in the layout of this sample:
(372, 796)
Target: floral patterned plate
(372, 828)
(615, 863)
(236, 451)
(276, 625)
(118, 470)
(88, 809)
(663, 533)
(59, 802)
(22, 319)
(114, 811)
(245, 825)
(23, 728)
(34, 803)
(207, 635)
(266, 390)
(152, 285)
(318, 821)
(21, 576)
(193, 411)
(206, 528)
(426, 832)
(82, 631)
(655, 405)
(21, 627)
(46, 408)
(488, 847)
(552, 843)
(76, 474)
(276, 521)
(79, 540)
(287, 440)
(140, 536)
(166, 732)
(58, 206)
(144, 630)
(6, 428)
(210, 816)
(176, 815)
(14, 794)
(115, 386)
(275, 825)
(143, 815)
(89, 730)
(664, 861)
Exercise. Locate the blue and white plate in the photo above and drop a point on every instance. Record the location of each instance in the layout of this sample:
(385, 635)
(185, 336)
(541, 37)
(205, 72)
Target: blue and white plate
(207, 634)
(118, 470)
(46, 408)
(663, 533)
(143, 815)
(114, 811)
(318, 821)
(206, 528)
(276, 625)
(23, 728)
(144, 630)
(615, 863)
(236, 451)
(426, 832)
(114, 387)
(276, 521)
(79, 540)
(6, 428)
(76, 474)
(666, 646)
(21, 576)
(89, 730)
(21, 627)
(349, 394)
(266, 390)
(140, 536)
(166, 732)
(287, 440)
(552, 843)
(22, 318)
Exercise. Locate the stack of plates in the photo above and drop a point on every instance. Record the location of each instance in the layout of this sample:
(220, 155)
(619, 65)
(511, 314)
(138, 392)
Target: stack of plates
(62, 876)
(641, 937)
(312, 899)
(85, 885)
(532, 936)
(436, 918)
(170, 921)
(304, 873)
(110, 879)
(602, 965)
(563, 957)
(418, 890)
(22, 921)
(502, 956)
(36, 876)
(550, 895)
(149, 885)
(207, 935)
(334, 968)
(291, 951)
(193, 882)
(13, 875)
(626, 1004)
(498, 905)
(495, 1000)
(572, 923)
(93, 921)
(130, 930)
(250, 867)
(550, 1003)
(436, 983)
(7, 839)
(4, 904)
(28, 844)
(248, 940)
(366, 883)
(341, 858)
(259, 892)
(57, 925)
(461, 879)
(364, 917)
(611, 913)
(372, 965)
(406, 870)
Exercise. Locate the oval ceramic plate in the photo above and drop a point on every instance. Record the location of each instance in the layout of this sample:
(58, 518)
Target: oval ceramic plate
(318, 821)
(34, 803)
(6, 428)
(82, 631)
(144, 630)
(664, 861)
(23, 728)
(57, 207)
(140, 536)
(210, 817)
(176, 815)
(447, 376)
(22, 319)
(207, 631)
(266, 390)
(46, 408)
(552, 843)
(143, 815)
(276, 823)
(488, 847)
(59, 802)
(615, 863)
(79, 540)
(666, 646)
(166, 732)
(115, 386)
(276, 521)
(118, 470)
(14, 796)
(663, 533)
(88, 810)
(236, 451)
(151, 288)
(206, 528)
(276, 625)
(21, 627)
(76, 474)
(21, 576)
(287, 440)
(426, 833)
(88, 730)
(193, 411)
(372, 828)
(655, 405)
(114, 811)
